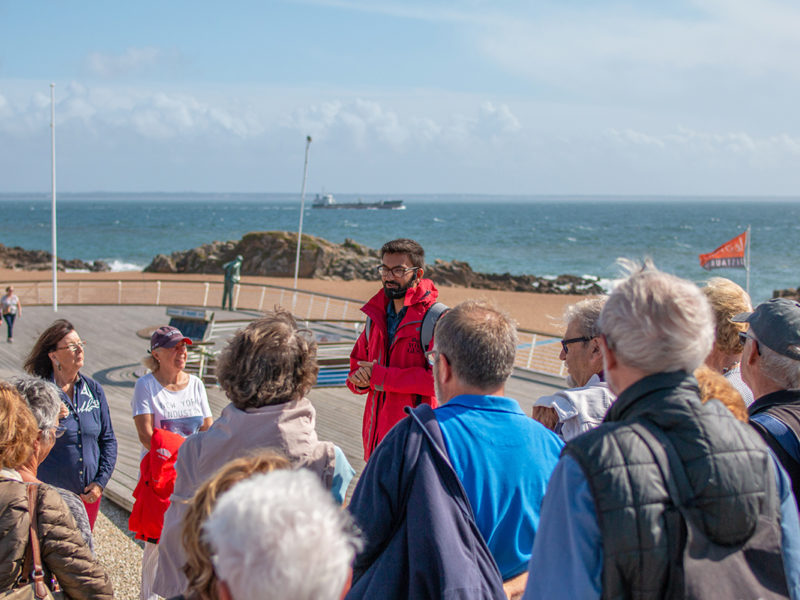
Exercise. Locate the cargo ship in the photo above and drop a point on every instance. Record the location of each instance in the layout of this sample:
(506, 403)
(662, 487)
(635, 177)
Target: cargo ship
(328, 201)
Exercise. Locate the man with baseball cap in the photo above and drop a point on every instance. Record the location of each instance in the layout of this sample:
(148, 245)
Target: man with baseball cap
(771, 368)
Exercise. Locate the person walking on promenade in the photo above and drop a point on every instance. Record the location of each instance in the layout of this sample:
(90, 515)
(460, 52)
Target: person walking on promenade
(582, 407)
(82, 459)
(12, 308)
(266, 370)
(727, 300)
(166, 399)
(233, 273)
(663, 468)
(449, 502)
(771, 367)
(388, 361)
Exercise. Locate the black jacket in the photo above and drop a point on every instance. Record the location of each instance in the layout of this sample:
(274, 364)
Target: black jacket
(727, 465)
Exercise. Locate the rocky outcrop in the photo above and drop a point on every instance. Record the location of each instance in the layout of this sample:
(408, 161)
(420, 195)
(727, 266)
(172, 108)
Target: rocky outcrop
(19, 259)
(791, 293)
(272, 254)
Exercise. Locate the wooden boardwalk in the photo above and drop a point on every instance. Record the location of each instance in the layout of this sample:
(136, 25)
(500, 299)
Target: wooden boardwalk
(113, 355)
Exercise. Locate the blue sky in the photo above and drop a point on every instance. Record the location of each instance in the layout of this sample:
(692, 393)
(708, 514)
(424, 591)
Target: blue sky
(434, 96)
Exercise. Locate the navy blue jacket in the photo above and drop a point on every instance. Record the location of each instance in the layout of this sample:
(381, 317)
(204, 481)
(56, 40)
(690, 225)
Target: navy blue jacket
(87, 452)
(421, 540)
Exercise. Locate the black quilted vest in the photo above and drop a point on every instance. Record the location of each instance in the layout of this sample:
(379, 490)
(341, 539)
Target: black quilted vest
(725, 460)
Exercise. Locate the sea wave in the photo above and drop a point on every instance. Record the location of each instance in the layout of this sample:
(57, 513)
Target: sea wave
(119, 265)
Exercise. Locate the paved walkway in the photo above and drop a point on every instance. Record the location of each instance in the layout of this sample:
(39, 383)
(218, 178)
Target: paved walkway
(114, 352)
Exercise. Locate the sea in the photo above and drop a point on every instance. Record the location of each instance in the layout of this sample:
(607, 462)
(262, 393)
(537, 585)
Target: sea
(538, 235)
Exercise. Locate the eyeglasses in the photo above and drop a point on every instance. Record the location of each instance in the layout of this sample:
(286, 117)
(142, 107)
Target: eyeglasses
(565, 343)
(743, 337)
(431, 356)
(397, 272)
(74, 348)
(58, 431)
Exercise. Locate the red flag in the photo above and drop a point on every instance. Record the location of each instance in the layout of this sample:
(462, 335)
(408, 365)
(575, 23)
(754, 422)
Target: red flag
(729, 255)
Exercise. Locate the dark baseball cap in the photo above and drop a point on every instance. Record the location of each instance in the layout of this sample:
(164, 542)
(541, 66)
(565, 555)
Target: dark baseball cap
(776, 323)
(167, 337)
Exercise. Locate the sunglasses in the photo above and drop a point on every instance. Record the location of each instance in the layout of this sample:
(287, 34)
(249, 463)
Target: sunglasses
(565, 343)
(743, 337)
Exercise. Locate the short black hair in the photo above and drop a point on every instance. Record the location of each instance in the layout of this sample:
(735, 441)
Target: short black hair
(408, 247)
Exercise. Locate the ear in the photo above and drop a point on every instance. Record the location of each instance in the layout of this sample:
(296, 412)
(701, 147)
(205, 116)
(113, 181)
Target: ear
(444, 369)
(420, 273)
(608, 353)
(752, 358)
(223, 591)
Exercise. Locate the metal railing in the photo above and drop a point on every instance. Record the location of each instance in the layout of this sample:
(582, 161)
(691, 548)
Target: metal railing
(537, 351)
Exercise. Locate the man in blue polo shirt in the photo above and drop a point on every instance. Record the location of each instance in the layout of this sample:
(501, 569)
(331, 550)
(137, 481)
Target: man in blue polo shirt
(502, 458)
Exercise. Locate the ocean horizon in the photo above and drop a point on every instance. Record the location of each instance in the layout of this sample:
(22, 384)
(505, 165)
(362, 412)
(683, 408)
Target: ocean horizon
(542, 235)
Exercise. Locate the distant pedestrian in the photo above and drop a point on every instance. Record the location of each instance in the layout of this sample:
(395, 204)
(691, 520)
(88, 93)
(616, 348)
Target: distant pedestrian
(12, 308)
(233, 273)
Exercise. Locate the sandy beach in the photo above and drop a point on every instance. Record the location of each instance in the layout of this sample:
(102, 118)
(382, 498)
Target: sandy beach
(538, 312)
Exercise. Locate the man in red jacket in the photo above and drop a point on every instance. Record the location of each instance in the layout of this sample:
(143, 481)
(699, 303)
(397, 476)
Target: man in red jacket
(388, 361)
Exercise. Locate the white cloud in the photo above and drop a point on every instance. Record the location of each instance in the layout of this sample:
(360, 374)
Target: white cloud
(130, 62)
(365, 121)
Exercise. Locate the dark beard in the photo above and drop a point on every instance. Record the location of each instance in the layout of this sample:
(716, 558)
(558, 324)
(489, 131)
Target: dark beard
(395, 293)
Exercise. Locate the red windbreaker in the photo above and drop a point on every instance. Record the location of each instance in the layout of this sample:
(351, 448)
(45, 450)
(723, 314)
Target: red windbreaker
(401, 377)
(156, 481)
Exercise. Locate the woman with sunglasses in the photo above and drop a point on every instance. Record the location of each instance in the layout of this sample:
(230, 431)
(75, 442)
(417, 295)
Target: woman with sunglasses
(83, 458)
(43, 400)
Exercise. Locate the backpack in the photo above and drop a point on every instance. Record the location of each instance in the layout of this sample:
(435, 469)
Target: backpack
(752, 569)
(429, 321)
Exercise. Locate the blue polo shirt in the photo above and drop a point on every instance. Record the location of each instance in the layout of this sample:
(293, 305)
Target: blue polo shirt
(504, 460)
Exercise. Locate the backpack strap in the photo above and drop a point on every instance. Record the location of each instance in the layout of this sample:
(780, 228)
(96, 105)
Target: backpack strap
(429, 321)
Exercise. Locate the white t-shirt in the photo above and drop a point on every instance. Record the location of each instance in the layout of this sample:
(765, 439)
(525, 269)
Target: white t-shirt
(10, 304)
(181, 412)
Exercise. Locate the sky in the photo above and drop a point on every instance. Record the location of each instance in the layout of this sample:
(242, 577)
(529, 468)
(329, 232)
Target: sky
(689, 97)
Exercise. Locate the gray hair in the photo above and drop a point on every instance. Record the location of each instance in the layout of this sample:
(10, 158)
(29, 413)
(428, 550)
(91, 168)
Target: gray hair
(586, 314)
(783, 370)
(657, 322)
(280, 535)
(43, 399)
(480, 343)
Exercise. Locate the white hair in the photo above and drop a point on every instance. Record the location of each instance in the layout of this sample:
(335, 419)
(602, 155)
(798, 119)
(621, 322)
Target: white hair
(781, 369)
(657, 322)
(586, 314)
(280, 535)
(42, 398)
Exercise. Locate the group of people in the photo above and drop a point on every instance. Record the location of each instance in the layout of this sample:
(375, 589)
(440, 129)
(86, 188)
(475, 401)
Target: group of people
(668, 468)
(57, 454)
